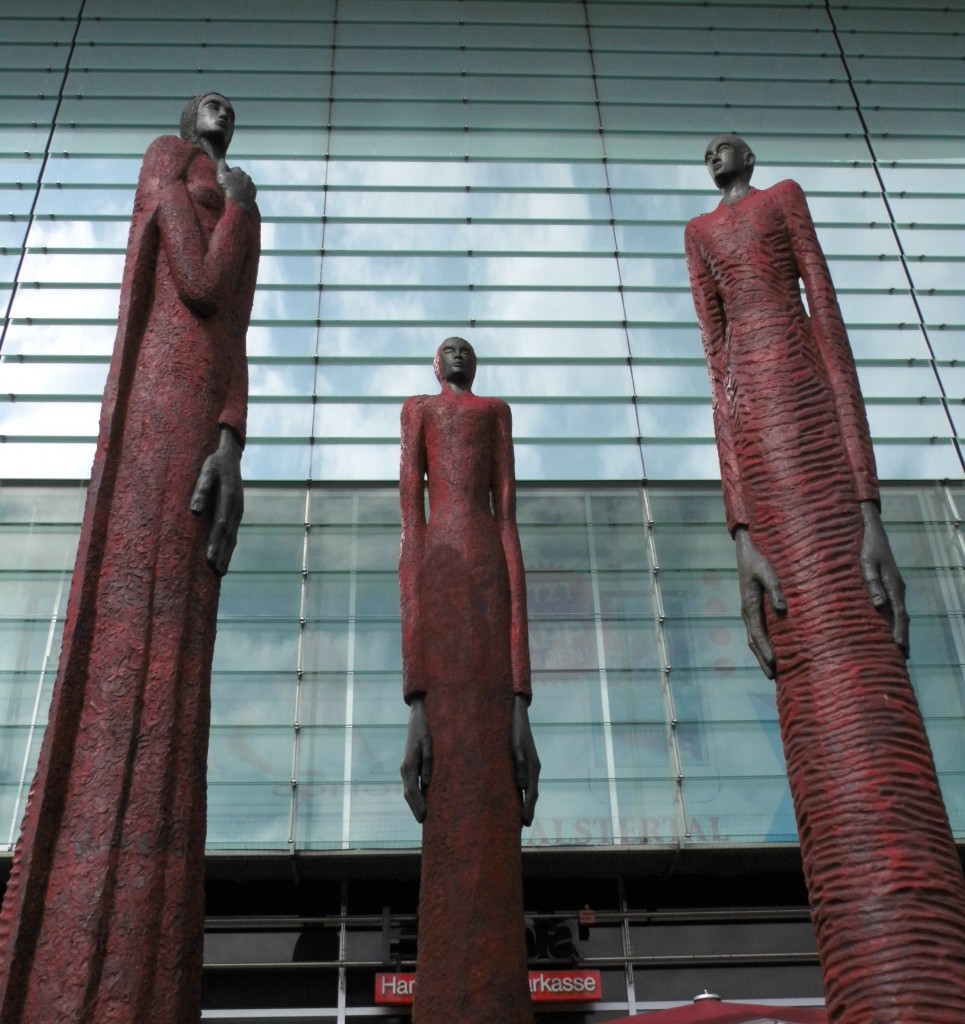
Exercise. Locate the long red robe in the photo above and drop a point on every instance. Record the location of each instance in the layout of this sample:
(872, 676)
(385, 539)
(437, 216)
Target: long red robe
(883, 874)
(102, 921)
(465, 648)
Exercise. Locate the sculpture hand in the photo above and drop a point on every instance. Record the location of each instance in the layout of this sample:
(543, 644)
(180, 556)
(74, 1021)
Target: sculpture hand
(416, 767)
(236, 184)
(881, 574)
(756, 577)
(525, 759)
(220, 482)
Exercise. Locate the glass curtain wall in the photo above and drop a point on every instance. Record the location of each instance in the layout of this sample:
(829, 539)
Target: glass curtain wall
(653, 722)
(519, 173)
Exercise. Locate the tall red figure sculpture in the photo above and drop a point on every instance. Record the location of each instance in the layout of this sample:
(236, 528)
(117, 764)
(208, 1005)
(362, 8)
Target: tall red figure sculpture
(103, 918)
(801, 495)
(470, 768)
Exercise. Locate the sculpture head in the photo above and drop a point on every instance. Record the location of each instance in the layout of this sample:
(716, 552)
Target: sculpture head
(729, 160)
(208, 117)
(455, 364)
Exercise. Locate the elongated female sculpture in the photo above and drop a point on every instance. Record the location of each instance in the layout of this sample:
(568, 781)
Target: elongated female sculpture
(801, 495)
(470, 768)
(102, 922)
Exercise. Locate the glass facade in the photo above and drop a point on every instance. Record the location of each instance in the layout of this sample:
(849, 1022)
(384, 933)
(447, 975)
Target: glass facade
(654, 724)
(519, 173)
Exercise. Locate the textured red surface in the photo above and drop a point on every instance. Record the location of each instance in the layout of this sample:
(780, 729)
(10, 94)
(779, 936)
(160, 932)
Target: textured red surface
(102, 922)
(883, 874)
(465, 647)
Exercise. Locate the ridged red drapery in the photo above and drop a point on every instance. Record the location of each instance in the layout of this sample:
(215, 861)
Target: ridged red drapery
(883, 874)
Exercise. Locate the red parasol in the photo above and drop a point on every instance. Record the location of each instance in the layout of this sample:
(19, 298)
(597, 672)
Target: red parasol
(709, 1009)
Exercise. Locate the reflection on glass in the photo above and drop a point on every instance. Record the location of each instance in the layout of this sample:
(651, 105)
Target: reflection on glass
(252, 754)
(248, 816)
(603, 702)
(744, 810)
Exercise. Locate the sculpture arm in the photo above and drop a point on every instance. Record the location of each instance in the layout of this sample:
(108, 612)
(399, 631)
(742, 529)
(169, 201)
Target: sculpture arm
(203, 267)
(526, 763)
(831, 337)
(219, 487)
(412, 476)
(713, 327)
(416, 768)
(234, 414)
(755, 578)
(219, 490)
(504, 504)
(886, 587)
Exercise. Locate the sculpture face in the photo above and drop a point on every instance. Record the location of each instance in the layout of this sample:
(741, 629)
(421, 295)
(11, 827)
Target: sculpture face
(727, 158)
(216, 118)
(457, 362)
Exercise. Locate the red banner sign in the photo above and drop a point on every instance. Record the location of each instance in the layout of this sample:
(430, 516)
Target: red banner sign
(394, 989)
(545, 987)
(565, 986)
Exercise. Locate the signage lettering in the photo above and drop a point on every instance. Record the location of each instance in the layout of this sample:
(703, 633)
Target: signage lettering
(645, 831)
(551, 938)
(544, 986)
(394, 989)
(564, 986)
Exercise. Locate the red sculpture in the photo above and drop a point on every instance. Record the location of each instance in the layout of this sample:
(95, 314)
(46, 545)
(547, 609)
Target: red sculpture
(103, 917)
(470, 767)
(801, 495)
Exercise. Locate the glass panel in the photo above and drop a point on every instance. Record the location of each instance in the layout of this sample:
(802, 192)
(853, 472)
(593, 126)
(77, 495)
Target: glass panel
(571, 752)
(29, 646)
(14, 749)
(247, 699)
(33, 594)
(252, 816)
(321, 753)
(572, 813)
(571, 419)
(274, 461)
(381, 818)
(746, 810)
(642, 750)
(933, 461)
(248, 595)
(599, 461)
(925, 419)
(256, 645)
(730, 749)
(249, 754)
(377, 700)
(953, 793)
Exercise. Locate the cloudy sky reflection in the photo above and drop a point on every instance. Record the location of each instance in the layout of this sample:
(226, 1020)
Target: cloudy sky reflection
(509, 228)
